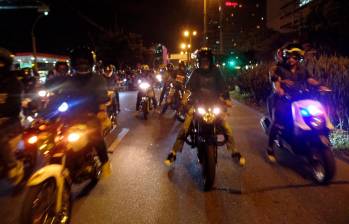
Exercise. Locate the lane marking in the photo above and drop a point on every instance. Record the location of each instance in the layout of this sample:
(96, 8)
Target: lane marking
(118, 139)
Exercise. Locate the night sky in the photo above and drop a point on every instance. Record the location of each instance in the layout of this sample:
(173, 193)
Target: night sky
(156, 20)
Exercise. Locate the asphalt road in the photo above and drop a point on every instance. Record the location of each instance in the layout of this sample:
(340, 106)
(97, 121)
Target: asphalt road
(142, 190)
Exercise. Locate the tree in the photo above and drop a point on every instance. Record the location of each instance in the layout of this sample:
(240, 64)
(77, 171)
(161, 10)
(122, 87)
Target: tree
(327, 25)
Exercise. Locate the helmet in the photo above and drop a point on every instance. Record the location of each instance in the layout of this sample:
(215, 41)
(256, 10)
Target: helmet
(60, 63)
(145, 68)
(6, 60)
(170, 66)
(108, 70)
(292, 50)
(26, 74)
(82, 59)
(205, 53)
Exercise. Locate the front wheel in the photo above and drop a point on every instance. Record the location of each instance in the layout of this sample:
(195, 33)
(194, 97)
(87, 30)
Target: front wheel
(209, 166)
(145, 107)
(323, 166)
(164, 108)
(39, 205)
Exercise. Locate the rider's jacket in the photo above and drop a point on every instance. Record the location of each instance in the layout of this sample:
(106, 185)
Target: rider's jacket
(207, 85)
(10, 96)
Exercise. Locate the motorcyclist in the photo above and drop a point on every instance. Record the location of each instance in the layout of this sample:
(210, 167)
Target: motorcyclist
(109, 74)
(287, 76)
(147, 76)
(90, 90)
(10, 107)
(58, 76)
(28, 80)
(206, 84)
(168, 77)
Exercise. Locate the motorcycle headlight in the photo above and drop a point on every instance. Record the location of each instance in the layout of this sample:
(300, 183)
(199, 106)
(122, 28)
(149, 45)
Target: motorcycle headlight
(63, 107)
(201, 111)
(33, 139)
(73, 137)
(42, 93)
(30, 119)
(216, 110)
(311, 111)
(144, 85)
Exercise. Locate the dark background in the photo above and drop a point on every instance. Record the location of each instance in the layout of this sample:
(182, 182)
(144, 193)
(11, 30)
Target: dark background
(67, 24)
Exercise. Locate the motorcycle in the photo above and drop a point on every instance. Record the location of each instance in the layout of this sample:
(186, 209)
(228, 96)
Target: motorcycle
(203, 135)
(112, 108)
(72, 160)
(147, 93)
(309, 135)
(25, 151)
(173, 98)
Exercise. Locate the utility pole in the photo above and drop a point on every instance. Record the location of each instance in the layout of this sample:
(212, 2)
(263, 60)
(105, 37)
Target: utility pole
(205, 22)
(221, 44)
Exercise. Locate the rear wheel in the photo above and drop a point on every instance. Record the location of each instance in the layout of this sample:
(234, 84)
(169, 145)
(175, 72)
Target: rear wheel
(209, 166)
(40, 203)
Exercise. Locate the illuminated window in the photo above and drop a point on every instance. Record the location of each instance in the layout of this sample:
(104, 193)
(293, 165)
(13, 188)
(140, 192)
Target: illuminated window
(303, 2)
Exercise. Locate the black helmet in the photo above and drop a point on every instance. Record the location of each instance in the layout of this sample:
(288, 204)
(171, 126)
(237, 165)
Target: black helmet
(83, 55)
(109, 70)
(170, 66)
(6, 60)
(205, 53)
(294, 50)
(60, 63)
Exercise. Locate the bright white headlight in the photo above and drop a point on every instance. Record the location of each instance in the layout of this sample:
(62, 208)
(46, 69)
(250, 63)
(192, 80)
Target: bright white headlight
(63, 107)
(144, 85)
(201, 111)
(73, 137)
(42, 93)
(30, 119)
(216, 110)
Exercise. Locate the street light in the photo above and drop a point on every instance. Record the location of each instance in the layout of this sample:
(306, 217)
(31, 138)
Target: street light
(189, 34)
(44, 11)
(183, 46)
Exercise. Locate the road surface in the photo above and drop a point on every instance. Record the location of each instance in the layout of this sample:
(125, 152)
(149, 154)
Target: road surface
(142, 190)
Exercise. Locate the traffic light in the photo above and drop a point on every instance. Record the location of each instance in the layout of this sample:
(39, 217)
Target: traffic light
(231, 63)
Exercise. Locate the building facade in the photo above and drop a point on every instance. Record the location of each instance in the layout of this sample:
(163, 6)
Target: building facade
(287, 16)
(227, 19)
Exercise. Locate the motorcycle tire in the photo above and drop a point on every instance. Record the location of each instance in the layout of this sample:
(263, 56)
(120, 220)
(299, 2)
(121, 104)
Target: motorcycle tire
(31, 201)
(164, 108)
(97, 172)
(145, 108)
(323, 166)
(209, 166)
